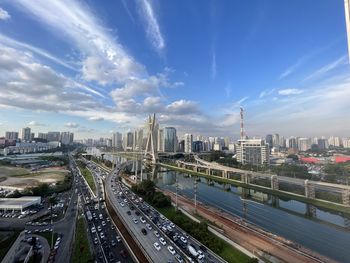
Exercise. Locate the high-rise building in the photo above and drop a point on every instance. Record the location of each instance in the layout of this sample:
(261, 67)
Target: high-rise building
(269, 140)
(334, 141)
(292, 143)
(128, 141)
(276, 140)
(117, 141)
(322, 143)
(252, 151)
(26, 134)
(346, 142)
(160, 139)
(304, 144)
(197, 146)
(67, 138)
(42, 135)
(11, 135)
(188, 143)
(170, 139)
(181, 146)
(53, 136)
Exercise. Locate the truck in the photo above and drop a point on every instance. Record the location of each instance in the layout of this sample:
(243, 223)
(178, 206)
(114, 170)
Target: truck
(88, 215)
(192, 250)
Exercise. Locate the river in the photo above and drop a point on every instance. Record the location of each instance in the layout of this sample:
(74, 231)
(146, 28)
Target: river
(325, 232)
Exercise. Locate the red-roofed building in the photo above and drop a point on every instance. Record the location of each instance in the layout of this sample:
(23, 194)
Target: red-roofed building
(309, 160)
(342, 159)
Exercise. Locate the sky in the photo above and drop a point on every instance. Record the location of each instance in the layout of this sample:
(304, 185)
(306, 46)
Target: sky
(93, 67)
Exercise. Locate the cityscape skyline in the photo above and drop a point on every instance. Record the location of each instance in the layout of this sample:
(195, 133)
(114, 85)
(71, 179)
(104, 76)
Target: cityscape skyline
(105, 81)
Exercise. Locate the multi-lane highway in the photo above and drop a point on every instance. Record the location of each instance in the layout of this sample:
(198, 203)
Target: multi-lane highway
(162, 240)
(103, 235)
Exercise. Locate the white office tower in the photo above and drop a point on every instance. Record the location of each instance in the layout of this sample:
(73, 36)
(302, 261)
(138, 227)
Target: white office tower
(67, 138)
(304, 144)
(252, 151)
(160, 139)
(346, 142)
(26, 134)
(334, 141)
(188, 143)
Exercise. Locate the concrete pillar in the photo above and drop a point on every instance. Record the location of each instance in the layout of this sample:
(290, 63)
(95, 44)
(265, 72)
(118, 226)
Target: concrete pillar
(245, 178)
(274, 182)
(309, 189)
(195, 168)
(346, 197)
(208, 171)
(224, 174)
(310, 211)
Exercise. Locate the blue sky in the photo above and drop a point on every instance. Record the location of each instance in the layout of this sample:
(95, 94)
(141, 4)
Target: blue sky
(98, 66)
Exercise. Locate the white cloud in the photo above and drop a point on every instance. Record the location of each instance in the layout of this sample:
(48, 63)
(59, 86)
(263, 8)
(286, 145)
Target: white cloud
(266, 93)
(152, 27)
(96, 118)
(71, 125)
(35, 123)
(325, 69)
(287, 92)
(4, 15)
(182, 107)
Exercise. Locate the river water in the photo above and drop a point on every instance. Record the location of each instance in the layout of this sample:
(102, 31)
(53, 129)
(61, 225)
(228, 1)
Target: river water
(325, 232)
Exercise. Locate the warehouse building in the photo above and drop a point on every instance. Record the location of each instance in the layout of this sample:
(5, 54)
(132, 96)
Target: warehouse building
(19, 204)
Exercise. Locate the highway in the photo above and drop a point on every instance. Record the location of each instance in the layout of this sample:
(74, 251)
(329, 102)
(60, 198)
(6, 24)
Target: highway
(131, 208)
(103, 235)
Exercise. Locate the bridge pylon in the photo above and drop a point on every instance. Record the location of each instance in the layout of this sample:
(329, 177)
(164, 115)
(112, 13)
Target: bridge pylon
(151, 155)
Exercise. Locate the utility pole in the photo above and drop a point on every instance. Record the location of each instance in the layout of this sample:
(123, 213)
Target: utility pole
(195, 195)
(177, 186)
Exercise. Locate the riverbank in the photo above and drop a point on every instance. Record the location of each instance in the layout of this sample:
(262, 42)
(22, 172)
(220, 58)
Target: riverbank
(316, 202)
(250, 237)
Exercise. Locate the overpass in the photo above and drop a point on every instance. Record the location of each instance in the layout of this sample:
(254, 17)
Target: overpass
(246, 177)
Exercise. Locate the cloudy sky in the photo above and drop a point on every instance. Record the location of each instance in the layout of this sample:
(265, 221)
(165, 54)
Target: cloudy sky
(98, 66)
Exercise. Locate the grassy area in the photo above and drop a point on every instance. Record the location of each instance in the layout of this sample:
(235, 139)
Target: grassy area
(81, 250)
(12, 171)
(48, 236)
(202, 234)
(6, 244)
(87, 175)
(319, 203)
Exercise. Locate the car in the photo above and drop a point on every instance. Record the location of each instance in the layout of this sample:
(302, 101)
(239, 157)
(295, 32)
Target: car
(142, 220)
(156, 233)
(99, 228)
(95, 241)
(172, 225)
(179, 258)
(93, 230)
(102, 235)
(123, 253)
(157, 246)
(149, 226)
(112, 227)
(137, 213)
(118, 239)
(103, 223)
(122, 204)
(162, 241)
(144, 231)
(135, 220)
(171, 250)
(113, 243)
(128, 212)
(183, 239)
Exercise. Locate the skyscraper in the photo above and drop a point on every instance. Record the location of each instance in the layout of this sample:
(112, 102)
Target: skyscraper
(26, 134)
(170, 140)
(53, 136)
(188, 143)
(160, 139)
(67, 138)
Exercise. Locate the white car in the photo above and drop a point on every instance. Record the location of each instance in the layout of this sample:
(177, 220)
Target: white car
(171, 250)
(142, 220)
(156, 233)
(157, 246)
(183, 239)
(162, 241)
(135, 220)
(149, 226)
(93, 230)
